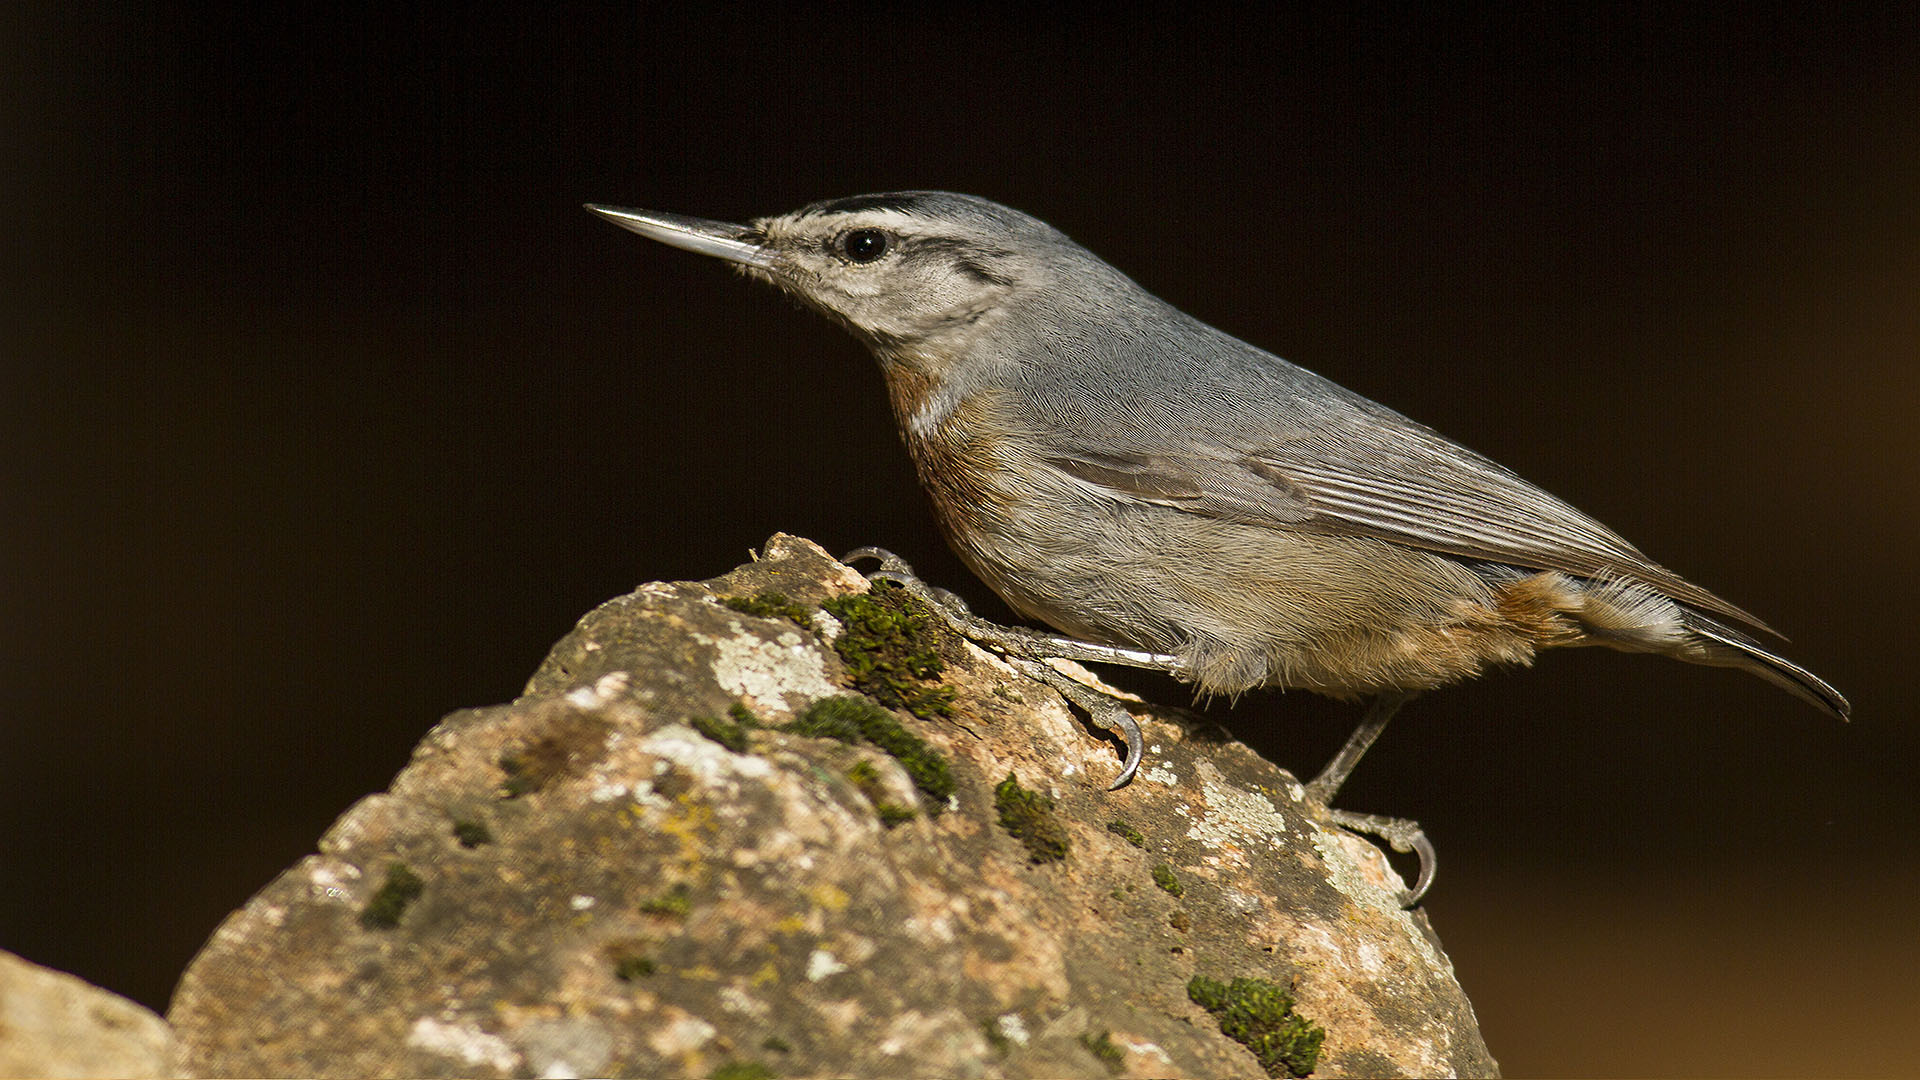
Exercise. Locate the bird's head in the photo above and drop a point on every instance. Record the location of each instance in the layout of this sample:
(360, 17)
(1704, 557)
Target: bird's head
(914, 273)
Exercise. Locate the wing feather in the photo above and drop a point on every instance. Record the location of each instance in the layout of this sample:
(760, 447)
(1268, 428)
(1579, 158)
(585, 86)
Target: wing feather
(1216, 427)
(1414, 487)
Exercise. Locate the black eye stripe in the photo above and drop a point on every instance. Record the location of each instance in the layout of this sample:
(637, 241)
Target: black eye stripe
(864, 245)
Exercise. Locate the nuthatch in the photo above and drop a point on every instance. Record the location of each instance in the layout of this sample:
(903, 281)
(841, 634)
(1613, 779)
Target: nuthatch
(1173, 498)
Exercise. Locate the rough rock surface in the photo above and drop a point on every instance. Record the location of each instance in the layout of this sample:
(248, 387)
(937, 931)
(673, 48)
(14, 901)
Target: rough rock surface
(52, 1024)
(590, 881)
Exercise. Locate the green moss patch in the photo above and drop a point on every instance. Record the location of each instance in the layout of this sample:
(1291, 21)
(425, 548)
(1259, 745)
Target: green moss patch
(891, 650)
(675, 903)
(1028, 817)
(772, 605)
(391, 900)
(472, 834)
(730, 732)
(1127, 832)
(630, 961)
(997, 1039)
(1103, 1047)
(1169, 884)
(851, 718)
(1259, 1015)
(867, 778)
(841, 718)
(525, 773)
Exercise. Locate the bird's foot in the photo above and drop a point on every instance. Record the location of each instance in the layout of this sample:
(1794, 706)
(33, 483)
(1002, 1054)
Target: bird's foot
(895, 571)
(1028, 650)
(1402, 835)
(1104, 709)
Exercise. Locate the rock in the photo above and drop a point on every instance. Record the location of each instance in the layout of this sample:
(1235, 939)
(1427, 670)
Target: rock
(52, 1024)
(766, 840)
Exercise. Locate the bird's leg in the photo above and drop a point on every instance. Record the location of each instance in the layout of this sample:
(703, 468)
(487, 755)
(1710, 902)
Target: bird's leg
(1404, 836)
(1327, 784)
(1028, 650)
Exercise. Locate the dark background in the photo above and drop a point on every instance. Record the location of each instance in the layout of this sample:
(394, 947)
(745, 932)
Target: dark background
(325, 410)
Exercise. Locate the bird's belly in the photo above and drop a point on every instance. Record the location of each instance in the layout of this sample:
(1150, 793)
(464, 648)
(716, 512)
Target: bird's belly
(1242, 605)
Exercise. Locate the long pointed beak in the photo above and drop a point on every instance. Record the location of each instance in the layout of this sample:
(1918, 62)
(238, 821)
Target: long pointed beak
(720, 239)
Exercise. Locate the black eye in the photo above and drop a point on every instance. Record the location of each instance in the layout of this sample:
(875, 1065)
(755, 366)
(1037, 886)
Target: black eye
(864, 245)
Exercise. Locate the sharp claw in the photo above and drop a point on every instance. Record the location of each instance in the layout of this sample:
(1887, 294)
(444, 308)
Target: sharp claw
(889, 562)
(1130, 731)
(1429, 862)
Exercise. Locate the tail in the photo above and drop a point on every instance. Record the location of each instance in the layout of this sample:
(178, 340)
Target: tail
(1720, 646)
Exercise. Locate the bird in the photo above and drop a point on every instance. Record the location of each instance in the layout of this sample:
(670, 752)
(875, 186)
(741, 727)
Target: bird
(1167, 496)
